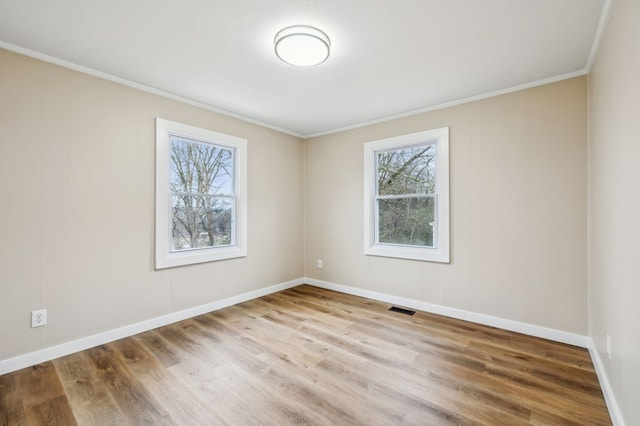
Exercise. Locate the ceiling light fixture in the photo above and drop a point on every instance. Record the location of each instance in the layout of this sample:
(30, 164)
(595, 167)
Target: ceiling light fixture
(302, 45)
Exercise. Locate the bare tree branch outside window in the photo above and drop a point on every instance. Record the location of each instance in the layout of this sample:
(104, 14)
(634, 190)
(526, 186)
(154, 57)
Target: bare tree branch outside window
(406, 198)
(202, 194)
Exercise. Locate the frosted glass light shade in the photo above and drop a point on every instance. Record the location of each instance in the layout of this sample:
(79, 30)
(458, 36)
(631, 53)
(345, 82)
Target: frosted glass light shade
(302, 45)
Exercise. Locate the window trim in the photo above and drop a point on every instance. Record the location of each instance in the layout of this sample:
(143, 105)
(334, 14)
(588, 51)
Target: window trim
(164, 257)
(440, 251)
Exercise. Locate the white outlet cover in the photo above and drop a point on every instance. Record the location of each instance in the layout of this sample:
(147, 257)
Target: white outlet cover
(38, 318)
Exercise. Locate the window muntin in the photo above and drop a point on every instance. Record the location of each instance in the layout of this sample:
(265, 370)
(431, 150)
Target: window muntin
(201, 206)
(407, 196)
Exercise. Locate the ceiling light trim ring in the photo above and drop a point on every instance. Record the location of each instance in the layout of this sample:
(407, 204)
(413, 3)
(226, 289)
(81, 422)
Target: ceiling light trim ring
(299, 34)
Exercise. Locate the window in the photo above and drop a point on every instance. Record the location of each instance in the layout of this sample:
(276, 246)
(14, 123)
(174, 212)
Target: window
(407, 196)
(201, 192)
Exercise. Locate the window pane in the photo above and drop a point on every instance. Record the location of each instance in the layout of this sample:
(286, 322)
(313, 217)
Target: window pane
(200, 221)
(200, 167)
(406, 221)
(407, 171)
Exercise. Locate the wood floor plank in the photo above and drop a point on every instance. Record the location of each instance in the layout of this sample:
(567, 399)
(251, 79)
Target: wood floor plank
(11, 408)
(55, 411)
(91, 402)
(179, 401)
(312, 356)
(46, 402)
(133, 399)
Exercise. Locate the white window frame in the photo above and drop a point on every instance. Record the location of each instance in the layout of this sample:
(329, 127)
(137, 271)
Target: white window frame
(165, 258)
(440, 250)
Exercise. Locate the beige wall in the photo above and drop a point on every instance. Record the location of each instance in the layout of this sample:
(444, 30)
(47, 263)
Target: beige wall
(518, 209)
(77, 207)
(77, 173)
(614, 205)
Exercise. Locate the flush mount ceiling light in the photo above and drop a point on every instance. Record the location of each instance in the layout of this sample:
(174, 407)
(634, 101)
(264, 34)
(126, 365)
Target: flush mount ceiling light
(302, 45)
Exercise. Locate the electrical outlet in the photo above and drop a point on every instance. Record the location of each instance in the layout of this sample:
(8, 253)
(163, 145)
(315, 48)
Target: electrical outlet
(319, 263)
(38, 318)
(609, 346)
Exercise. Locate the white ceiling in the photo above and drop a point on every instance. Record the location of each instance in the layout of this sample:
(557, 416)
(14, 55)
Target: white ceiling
(389, 57)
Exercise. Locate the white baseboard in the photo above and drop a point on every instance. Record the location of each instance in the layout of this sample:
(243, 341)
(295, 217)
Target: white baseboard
(519, 327)
(607, 391)
(47, 354)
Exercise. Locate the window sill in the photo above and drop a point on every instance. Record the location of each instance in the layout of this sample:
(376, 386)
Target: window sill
(407, 252)
(191, 257)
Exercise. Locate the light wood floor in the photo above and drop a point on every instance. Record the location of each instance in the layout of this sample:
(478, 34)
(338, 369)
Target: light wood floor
(311, 356)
